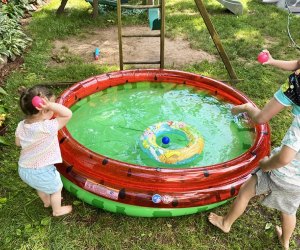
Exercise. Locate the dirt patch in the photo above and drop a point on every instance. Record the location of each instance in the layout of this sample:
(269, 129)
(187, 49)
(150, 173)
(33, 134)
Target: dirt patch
(8, 68)
(178, 52)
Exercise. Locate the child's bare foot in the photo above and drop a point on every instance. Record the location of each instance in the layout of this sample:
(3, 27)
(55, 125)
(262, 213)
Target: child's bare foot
(218, 221)
(63, 210)
(285, 245)
(239, 109)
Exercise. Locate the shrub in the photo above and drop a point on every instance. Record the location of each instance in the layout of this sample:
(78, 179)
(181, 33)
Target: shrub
(13, 40)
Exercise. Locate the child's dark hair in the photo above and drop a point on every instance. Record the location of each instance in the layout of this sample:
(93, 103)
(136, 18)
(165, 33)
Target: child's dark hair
(28, 94)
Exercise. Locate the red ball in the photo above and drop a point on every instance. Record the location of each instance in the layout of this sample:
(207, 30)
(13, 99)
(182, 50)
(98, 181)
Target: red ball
(262, 57)
(37, 101)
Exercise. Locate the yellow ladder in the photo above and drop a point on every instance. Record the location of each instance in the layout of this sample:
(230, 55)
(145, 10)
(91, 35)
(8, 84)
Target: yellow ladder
(161, 35)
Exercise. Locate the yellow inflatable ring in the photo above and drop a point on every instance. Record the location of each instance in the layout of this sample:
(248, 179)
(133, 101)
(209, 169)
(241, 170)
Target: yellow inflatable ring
(172, 156)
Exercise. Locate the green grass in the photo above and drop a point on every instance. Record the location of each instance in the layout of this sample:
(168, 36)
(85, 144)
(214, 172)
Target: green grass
(25, 224)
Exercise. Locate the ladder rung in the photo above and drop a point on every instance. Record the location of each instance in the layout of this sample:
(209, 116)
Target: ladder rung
(154, 62)
(127, 6)
(145, 35)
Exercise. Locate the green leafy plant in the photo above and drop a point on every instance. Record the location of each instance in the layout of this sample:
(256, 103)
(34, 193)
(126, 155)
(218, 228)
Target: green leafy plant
(23, 4)
(2, 91)
(12, 11)
(3, 117)
(13, 40)
(3, 51)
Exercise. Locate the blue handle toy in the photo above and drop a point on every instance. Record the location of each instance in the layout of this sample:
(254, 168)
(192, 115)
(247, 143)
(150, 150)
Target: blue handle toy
(97, 53)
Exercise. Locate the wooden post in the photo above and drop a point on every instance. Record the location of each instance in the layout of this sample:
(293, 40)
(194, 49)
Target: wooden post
(162, 33)
(119, 13)
(214, 35)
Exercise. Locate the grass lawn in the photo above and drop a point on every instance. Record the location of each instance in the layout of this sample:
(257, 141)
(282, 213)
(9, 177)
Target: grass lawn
(25, 224)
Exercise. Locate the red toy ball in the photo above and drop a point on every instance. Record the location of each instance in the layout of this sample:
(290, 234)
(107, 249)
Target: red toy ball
(262, 57)
(37, 101)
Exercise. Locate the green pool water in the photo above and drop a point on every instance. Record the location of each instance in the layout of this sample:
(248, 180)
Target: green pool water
(112, 121)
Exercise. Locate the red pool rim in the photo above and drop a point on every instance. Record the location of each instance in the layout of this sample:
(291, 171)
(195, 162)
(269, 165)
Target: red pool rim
(136, 185)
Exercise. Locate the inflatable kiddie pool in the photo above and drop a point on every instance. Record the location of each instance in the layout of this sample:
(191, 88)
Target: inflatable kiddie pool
(105, 164)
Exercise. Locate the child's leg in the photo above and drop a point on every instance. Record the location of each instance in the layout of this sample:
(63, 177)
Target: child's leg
(285, 232)
(45, 198)
(272, 108)
(238, 207)
(59, 210)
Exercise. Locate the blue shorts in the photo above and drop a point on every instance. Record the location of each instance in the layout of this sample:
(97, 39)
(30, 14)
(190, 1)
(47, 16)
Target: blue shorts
(46, 179)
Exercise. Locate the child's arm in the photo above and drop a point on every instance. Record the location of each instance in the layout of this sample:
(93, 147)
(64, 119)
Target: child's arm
(17, 141)
(278, 160)
(63, 114)
(285, 65)
(281, 64)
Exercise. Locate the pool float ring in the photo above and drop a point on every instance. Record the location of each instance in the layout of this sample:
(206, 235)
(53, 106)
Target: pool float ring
(147, 191)
(172, 156)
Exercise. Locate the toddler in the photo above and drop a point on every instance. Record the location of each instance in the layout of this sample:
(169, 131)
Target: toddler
(37, 136)
(278, 177)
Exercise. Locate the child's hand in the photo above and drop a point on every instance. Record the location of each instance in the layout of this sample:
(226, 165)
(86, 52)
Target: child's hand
(45, 104)
(270, 58)
(263, 164)
(297, 72)
(235, 110)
